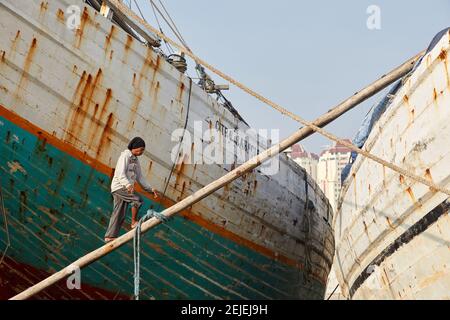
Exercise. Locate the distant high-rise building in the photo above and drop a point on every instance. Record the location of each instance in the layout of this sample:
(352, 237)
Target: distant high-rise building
(329, 169)
(306, 160)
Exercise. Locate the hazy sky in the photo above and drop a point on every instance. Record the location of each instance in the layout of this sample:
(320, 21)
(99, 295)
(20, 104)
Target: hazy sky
(305, 55)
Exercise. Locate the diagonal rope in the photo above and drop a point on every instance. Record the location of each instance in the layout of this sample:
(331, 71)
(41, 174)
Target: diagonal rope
(169, 48)
(286, 112)
(183, 41)
(139, 9)
(175, 32)
(329, 297)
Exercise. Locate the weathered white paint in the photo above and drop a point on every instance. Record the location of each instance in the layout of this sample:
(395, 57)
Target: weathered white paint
(378, 205)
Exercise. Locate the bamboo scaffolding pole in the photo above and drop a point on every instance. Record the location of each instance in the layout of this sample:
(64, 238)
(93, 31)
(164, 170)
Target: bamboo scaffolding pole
(253, 163)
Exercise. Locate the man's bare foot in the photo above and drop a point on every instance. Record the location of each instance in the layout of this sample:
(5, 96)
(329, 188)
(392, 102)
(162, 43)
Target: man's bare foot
(109, 239)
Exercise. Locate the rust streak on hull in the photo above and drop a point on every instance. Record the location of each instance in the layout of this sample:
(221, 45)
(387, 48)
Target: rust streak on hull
(27, 64)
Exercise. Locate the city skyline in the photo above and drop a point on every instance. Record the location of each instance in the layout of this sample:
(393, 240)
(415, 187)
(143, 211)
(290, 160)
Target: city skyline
(325, 169)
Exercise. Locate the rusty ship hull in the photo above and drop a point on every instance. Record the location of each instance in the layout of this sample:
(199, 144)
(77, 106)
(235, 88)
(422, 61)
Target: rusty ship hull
(392, 234)
(70, 100)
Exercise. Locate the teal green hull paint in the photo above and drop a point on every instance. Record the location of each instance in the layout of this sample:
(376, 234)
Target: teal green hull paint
(59, 210)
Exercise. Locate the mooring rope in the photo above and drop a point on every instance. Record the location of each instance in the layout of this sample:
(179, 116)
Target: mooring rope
(152, 213)
(137, 247)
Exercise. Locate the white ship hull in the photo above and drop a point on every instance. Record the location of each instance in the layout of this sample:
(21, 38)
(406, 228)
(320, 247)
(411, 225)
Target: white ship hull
(393, 234)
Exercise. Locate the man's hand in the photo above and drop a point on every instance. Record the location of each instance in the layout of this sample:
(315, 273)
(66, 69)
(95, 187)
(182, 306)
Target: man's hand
(155, 193)
(130, 189)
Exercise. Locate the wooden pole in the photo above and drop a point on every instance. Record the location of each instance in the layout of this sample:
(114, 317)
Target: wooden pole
(299, 135)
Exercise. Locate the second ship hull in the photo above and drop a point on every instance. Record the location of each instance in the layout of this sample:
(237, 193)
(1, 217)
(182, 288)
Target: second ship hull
(393, 233)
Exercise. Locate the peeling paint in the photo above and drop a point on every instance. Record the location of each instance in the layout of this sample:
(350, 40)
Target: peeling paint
(15, 166)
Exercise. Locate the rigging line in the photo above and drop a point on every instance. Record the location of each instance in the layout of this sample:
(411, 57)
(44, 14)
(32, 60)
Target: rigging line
(6, 225)
(170, 26)
(142, 15)
(175, 26)
(143, 18)
(139, 9)
(182, 137)
(329, 297)
(168, 46)
(171, 51)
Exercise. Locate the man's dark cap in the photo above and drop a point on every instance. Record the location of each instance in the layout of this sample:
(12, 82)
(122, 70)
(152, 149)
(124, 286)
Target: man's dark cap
(136, 143)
